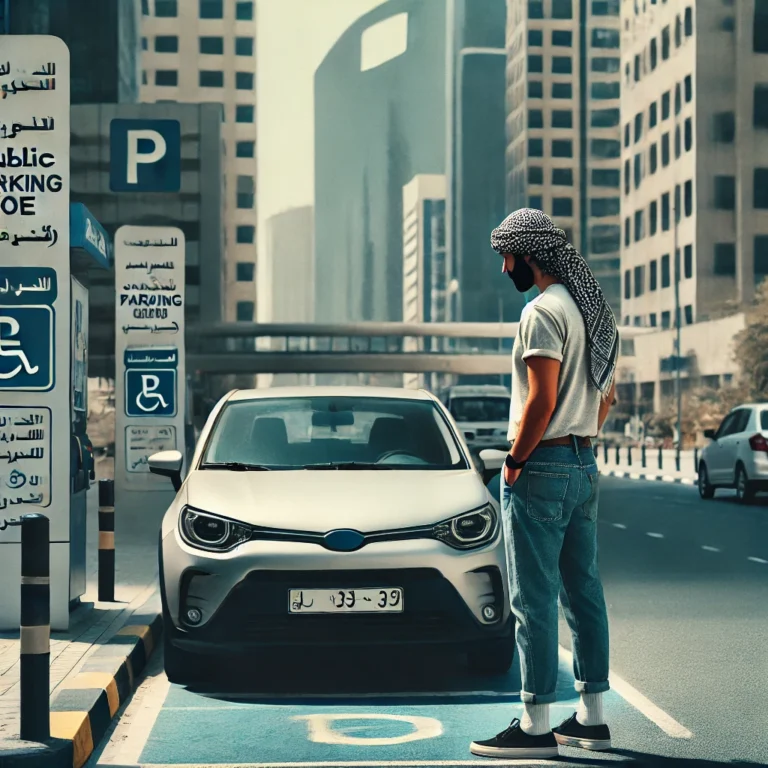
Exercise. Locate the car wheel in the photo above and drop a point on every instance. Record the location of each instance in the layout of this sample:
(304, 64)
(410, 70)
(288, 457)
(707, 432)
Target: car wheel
(706, 489)
(492, 657)
(745, 491)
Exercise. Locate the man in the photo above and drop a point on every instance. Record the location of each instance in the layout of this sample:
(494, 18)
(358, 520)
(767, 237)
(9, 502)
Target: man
(564, 359)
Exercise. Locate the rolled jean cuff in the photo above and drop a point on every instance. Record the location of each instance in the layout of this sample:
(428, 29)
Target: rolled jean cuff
(538, 698)
(601, 687)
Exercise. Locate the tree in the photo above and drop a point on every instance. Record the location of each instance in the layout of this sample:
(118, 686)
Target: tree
(751, 347)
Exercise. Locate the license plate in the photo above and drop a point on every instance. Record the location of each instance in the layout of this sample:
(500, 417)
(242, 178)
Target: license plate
(380, 600)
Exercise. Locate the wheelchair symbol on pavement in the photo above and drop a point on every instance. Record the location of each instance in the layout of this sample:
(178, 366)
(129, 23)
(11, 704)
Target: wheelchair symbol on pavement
(150, 393)
(26, 351)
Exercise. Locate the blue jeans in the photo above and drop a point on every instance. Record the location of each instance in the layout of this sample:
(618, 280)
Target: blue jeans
(550, 525)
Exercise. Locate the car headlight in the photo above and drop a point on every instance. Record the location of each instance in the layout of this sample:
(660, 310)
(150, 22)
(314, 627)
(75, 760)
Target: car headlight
(469, 530)
(211, 532)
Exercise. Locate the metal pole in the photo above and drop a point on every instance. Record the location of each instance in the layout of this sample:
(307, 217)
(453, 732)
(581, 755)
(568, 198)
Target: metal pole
(107, 541)
(678, 389)
(642, 455)
(629, 455)
(661, 459)
(35, 631)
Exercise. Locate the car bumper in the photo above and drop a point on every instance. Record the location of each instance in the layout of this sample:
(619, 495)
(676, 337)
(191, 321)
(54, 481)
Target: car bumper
(243, 596)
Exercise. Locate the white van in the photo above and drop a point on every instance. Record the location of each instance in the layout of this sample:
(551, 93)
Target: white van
(481, 413)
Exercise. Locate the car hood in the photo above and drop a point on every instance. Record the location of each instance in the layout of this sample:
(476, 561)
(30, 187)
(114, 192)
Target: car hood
(322, 500)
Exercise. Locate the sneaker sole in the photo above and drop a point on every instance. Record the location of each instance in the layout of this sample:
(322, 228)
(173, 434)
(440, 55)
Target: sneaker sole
(529, 752)
(594, 745)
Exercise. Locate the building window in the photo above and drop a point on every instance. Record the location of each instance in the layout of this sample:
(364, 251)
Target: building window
(535, 9)
(535, 63)
(245, 271)
(653, 218)
(535, 174)
(761, 256)
(605, 118)
(638, 126)
(601, 207)
(627, 231)
(666, 280)
(166, 77)
(652, 318)
(627, 172)
(244, 10)
(536, 202)
(688, 88)
(678, 31)
(606, 65)
(637, 68)
(562, 90)
(245, 149)
(562, 118)
(627, 284)
(638, 170)
(605, 238)
(166, 9)
(245, 200)
(639, 233)
(724, 127)
(627, 134)
(535, 147)
(244, 311)
(605, 38)
(688, 314)
(145, 8)
(144, 44)
(144, 77)
(211, 78)
(666, 320)
(665, 150)
(562, 65)
(678, 142)
(562, 9)
(760, 188)
(244, 113)
(245, 234)
(639, 281)
(688, 21)
(605, 90)
(653, 158)
(725, 259)
(605, 148)
(688, 134)
(605, 7)
(562, 177)
(688, 197)
(535, 89)
(166, 44)
(606, 177)
(665, 104)
(654, 54)
(653, 115)
(678, 99)
(760, 115)
(665, 212)
(212, 45)
(653, 276)
(211, 9)
(535, 37)
(688, 261)
(562, 38)
(665, 43)
(244, 81)
(535, 118)
(562, 206)
(562, 148)
(244, 46)
(725, 193)
(760, 27)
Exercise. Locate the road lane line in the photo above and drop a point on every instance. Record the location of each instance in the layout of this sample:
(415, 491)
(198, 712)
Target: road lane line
(641, 703)
(620, 526)
(709, 549)
(758, 560)
(655, 535)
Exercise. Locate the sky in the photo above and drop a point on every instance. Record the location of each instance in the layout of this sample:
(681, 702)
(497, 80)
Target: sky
(293, 37)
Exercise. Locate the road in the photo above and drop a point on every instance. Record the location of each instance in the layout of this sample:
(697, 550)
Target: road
(687, 588)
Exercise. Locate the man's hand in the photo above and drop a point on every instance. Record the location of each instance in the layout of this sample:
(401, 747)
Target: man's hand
(511, 475)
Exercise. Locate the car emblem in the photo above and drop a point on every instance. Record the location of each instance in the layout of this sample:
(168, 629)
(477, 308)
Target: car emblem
(343, 540)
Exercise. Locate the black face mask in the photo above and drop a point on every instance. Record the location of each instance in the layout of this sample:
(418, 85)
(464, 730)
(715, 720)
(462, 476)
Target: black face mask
(521, 275)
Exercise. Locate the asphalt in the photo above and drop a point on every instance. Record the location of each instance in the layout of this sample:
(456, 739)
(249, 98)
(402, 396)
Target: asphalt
(686, 582)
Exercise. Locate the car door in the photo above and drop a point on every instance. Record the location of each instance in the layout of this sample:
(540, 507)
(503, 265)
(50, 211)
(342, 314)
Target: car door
(715, 456)
(731, 443)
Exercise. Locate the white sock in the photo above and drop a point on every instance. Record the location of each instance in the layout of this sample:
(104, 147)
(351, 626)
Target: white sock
(535, 720)
(590, 711)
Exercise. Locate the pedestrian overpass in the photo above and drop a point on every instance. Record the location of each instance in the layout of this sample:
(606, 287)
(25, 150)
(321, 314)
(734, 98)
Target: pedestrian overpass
(364, 347)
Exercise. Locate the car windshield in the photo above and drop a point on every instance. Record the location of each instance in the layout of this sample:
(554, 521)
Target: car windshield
(764, 419)
(333, 432)
(480, 408)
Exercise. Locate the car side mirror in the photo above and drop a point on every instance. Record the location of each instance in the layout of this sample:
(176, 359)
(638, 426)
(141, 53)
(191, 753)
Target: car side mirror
(493, 461)
(709, 434)
(167, 464)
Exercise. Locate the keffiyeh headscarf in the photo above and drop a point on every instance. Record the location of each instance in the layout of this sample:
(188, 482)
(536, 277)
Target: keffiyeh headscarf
(528, 232)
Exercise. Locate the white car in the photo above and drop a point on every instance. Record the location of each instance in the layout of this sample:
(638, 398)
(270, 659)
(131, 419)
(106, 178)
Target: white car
(328, 516)
(482, 414)
(737, 457)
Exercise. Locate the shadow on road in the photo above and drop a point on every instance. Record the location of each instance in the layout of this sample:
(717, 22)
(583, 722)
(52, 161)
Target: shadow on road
(656, 761)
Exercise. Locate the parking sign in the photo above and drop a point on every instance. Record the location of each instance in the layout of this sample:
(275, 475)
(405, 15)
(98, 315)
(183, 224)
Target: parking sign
(145, 155)
(26, 348)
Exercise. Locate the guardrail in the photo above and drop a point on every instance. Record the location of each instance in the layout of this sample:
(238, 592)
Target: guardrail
(646, 457)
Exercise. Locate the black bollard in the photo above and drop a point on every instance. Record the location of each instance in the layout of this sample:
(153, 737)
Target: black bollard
(677, 459)
(618, 457)
(642, 456)
(35, 659)
(629, 455)
(605, 452)
(661, 459)
(106, 541)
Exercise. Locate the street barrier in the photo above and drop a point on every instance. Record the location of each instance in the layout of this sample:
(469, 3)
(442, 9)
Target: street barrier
(642, 456)
(107, 541)
(629, 457)
(661, 459)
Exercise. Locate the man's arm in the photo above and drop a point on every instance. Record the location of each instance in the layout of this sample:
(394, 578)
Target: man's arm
(605, 406)
(543, 375)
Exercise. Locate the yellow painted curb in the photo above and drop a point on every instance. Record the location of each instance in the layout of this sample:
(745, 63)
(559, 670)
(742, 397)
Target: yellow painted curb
(75, 727)
(103, 680)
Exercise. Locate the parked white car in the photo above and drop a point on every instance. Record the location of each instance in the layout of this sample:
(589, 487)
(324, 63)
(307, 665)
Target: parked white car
(737, 457)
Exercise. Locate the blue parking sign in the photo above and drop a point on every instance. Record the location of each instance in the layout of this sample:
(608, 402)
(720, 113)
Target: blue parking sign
(145, 155)
(26, 348)
(150, 392)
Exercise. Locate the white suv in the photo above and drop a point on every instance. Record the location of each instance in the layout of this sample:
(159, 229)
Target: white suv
(737, 457)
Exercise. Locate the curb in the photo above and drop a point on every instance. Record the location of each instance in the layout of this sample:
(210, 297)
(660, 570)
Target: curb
(643, 476)
(85, 704)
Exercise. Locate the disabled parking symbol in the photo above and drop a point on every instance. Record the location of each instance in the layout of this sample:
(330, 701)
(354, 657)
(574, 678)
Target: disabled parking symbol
(26, 348)
(150, 392)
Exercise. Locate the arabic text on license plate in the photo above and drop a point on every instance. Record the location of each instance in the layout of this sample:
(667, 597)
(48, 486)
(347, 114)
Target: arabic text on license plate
(380, 600)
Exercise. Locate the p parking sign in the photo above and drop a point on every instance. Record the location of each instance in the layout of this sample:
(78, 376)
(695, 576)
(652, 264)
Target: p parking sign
(145, 155)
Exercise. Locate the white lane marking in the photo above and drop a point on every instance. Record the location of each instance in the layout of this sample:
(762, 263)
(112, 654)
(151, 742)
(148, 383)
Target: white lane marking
(709, 549)
(620, 525)
(321, 732)
(642, 704)
(655, 535)
(758, 560)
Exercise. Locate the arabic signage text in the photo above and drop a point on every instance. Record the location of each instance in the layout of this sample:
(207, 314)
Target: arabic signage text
(141, 442)
(25, 457)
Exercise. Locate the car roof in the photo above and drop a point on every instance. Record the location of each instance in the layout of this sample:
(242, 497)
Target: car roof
(478, 389)
(750, 405)
(331, 391)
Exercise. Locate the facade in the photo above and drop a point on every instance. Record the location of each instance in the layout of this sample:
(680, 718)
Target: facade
(695, 187)
(200, 51)
(197, 209)
(563, 123)
(111, 38)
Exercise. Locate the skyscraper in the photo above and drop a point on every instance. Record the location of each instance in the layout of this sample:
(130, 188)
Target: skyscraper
(563, 123)
(204, 51)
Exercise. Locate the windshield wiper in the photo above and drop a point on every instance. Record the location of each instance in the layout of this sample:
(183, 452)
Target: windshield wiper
(350, 465)
(237, 466)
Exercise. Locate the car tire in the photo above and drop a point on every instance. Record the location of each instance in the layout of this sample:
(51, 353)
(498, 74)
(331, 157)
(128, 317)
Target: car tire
(492, 657)
(706, 489)
(745, 491)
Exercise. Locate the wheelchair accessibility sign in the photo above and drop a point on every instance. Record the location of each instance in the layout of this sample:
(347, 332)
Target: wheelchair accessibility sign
(150, 381)
(26, 348)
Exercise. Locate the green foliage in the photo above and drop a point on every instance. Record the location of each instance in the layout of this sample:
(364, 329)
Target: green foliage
(751, 347)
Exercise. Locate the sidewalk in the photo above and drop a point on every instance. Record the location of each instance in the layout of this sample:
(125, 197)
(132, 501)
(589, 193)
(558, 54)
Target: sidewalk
(112, 630)
(667, 473)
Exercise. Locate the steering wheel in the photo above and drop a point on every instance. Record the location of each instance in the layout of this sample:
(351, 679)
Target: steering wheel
(388, 454)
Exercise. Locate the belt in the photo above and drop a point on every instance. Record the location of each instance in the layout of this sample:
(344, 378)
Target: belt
(582, 442)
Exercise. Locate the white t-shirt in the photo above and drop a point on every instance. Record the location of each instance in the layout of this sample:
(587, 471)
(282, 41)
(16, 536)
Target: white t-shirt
(552, 326)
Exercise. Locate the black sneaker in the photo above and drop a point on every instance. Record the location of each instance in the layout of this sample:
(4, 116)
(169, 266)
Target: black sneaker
(514, 742)
(571, 733)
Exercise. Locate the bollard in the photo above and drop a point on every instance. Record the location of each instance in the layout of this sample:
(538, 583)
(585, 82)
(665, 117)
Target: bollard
(35, 659)
(618, 457)
(629, 455)
(661, 459)
(642, 456)
(605, 452)
(677, 460)
(106, 541)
